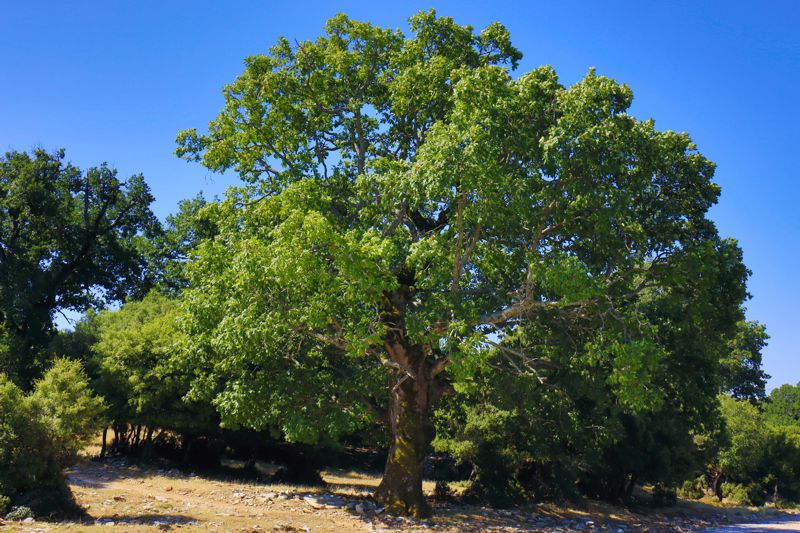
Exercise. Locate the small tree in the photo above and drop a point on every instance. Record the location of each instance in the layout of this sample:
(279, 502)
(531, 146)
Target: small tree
(757, 461)
(27, 454)
(68, 409)
(410, 204)
(133, 358)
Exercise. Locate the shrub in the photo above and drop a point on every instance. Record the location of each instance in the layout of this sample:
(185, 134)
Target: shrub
(5, 502)
(736, 493)
(27, 457)
(663, 496)
(67, 408)
(692, 490)
(20, 513)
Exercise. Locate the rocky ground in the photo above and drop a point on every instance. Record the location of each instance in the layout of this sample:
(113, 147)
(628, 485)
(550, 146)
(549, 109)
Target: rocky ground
(119, 496)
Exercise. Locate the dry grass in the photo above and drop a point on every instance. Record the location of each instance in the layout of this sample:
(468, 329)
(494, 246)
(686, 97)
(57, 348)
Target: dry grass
(137, 498)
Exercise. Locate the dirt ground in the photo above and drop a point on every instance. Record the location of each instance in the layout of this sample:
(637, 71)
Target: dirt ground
(119, 496)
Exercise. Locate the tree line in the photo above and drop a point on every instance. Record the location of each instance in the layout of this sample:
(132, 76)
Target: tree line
(427, 253)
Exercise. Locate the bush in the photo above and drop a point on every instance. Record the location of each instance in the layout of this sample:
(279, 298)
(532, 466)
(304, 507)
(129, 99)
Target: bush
(27, 457)
(663, 496)
(20, 513)
(692, 490)
(66, 406)
(736, 493)
(5, 502)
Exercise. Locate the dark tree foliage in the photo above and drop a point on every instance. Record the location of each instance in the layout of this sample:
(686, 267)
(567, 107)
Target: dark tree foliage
(68, 240)
(742, 375)
(534, 435)
(168, 251)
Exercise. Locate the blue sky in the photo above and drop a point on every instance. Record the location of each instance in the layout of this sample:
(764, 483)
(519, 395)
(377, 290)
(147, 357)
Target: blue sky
(115, 81)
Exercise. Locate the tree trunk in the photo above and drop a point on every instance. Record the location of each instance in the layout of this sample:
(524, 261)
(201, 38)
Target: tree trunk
(115, 446)
(717, 485)
(188, 446)
(414, 389)
(103, 447)
(629, 486)
(148, 443)
(400, 490)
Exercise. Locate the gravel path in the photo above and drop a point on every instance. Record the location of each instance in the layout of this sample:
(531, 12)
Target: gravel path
(791, 523)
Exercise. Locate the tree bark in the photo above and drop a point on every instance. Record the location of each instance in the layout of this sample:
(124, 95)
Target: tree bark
(115, 442)
(414, 389)
(103, 447)
(400, 490)
(148, 443)
(717, 485)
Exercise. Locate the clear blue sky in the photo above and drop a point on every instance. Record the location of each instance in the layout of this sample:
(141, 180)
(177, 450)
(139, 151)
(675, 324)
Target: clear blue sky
(115, 81)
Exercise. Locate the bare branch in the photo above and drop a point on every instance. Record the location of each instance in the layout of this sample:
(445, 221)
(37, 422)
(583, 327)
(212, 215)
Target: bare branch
(336, 342)
(530, 362)
(524, 307)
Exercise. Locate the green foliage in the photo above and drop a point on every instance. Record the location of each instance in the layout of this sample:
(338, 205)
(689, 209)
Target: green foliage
(483, 441)
(70, 412)
(168, 251)
(742, 376)
(77, 342)
(783, 406)
(663, 496)
(737, 494)
(748, 439)
(27, 454)
(68, 240)
(20, 512)
(132, 358)
(412, 210)
(451, 205)
(763, 461)
(527, 432)
(5, 502)
(643, 428)
(692, 489)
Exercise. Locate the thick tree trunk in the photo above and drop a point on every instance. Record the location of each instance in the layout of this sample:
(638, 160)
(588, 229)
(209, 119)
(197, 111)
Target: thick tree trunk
(400, 490)
(414, 389)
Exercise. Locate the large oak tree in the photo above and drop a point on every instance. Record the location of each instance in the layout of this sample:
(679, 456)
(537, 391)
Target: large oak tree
(68, 240)
(409, 203)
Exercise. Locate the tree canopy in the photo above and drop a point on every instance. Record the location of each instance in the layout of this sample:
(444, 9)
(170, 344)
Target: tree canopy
(68, 240)
(411, 203)
(132, 358)
(783, 407)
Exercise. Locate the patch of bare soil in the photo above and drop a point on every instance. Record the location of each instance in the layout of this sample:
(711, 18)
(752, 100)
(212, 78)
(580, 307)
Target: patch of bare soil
(119, 496)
